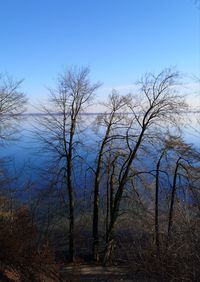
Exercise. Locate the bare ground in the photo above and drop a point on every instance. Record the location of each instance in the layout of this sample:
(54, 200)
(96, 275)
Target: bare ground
(97, 273)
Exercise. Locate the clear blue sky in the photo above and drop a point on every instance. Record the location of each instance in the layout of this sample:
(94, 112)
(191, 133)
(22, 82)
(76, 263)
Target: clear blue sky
(119, 39)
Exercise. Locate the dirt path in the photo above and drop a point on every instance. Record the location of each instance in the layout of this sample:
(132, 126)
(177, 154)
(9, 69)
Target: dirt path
(94, 273)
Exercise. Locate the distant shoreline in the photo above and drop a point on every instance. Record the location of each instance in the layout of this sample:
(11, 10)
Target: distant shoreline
(99, 113)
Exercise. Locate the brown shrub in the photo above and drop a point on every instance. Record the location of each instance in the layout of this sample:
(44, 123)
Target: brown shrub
(19, 254)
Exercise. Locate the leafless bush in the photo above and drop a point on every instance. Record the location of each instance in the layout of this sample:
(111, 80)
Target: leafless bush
(19, 254)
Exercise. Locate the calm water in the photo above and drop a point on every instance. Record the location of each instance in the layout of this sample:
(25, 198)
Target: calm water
(25, 154)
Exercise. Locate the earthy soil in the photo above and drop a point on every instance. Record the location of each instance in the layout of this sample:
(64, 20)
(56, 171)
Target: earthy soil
(97, 273)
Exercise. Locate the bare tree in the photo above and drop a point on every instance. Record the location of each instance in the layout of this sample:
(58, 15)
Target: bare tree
(175, 151)
(157, 106)
(111, 120)
(12, 106)
(185, 156)
(60, 125)
(157, 201)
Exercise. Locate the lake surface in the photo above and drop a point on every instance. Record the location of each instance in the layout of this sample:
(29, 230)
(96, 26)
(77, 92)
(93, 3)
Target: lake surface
(25, 155)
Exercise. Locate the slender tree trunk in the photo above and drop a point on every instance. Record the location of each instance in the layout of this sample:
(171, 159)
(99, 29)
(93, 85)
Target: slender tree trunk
(171, 210)
(71, 218)
(71, 192)
(95, 229)
(110, 195)
(112, 187)
(71, 232)
(95, 226)
(156, 211)
(157, 235)
(107, 201)
(117, 200)
(111, 231)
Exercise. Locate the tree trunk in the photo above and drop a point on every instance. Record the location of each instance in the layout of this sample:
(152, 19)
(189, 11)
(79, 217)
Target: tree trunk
(172, 202)
(110, 236)
(157, 235)
(95, 246)
(156, 211)
(112, 188)
(95, 226)
(107, 201)
(118, 197)
(71, 192)
(71, 215)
